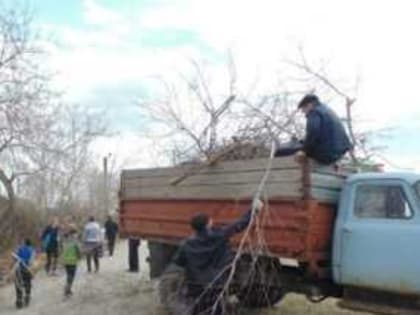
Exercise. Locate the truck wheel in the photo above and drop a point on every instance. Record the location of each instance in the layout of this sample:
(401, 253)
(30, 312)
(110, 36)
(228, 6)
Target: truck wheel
(160, 255)
(262, 287)
(259, 295)
(170, 290)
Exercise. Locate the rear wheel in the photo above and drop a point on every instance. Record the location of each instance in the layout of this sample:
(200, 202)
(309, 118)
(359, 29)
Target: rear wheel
(259, 295)
(170, 290)
(262, 286)
(160, 256)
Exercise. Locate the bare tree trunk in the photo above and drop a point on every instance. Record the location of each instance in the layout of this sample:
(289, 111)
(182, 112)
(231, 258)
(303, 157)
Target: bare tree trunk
(8, 185)
(9, 209)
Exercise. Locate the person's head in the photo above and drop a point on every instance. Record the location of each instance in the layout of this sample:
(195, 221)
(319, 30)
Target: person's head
(308, 102)
(72, 228)
(72, 233)
(200, 222)
(91, 218)
(109, 218)
(27, 242)
(54, 222)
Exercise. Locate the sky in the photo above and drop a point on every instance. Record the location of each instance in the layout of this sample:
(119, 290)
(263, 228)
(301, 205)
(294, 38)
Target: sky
(105, 53)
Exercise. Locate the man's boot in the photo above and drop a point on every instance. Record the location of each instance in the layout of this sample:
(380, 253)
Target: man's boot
(67, 291)
(27, 300)
(19, 304)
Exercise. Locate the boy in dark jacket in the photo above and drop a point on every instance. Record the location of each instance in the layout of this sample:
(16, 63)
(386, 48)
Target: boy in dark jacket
(206, 256)
(24, 257)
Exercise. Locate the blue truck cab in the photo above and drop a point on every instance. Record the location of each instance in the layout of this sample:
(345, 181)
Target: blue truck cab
(376, 241)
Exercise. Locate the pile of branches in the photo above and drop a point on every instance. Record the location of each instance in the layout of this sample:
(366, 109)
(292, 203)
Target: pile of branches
(242, 149)
(234, 150)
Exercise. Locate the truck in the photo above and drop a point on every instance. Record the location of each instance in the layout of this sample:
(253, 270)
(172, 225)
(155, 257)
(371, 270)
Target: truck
(325, 231)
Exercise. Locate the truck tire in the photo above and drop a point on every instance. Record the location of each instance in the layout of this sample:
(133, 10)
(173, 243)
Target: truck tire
(160, 255)
(262, 287)
(259, 295)
(170, 290)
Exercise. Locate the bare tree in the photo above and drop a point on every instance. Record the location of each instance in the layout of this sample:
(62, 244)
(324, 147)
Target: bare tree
(25, 99)
(44, 144)
(65, 158)
(191, 114)
(199, 123)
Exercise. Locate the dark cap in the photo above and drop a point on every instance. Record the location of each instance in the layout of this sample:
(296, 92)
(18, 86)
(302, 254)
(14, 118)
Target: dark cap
(307, 99)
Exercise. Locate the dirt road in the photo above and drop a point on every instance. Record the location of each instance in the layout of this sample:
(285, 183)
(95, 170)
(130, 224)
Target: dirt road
(113, 291)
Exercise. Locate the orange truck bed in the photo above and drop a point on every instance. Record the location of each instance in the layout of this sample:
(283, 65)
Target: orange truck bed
(297, 221)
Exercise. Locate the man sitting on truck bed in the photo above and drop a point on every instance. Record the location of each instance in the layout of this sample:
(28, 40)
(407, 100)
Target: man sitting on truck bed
(326, 140)
(206, 257)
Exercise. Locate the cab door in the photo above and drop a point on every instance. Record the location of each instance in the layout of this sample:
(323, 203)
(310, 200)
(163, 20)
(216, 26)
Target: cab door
(380, 238)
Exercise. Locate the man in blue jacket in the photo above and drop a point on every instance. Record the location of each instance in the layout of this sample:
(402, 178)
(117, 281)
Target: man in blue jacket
(50, 243)
(326, 140)
(206, 257)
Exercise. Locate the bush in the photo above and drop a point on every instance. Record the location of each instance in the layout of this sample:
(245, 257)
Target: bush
(24, 222)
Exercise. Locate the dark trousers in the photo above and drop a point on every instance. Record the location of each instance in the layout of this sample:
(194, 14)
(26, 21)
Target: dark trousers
(133, 254)
(52, 256)
(287, 151)
(23, 285)
(325, 159)
(93, 253)
(111, 244)
(70, 273)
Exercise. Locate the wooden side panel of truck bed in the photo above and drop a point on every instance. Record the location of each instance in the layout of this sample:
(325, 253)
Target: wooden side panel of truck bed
(299, 230)
(296, 223)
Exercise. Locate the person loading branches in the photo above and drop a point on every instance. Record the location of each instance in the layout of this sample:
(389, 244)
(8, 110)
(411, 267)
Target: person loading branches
(206, 257)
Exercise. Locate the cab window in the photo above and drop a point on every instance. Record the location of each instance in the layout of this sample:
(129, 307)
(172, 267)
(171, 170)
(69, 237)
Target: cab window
(382, 202)
(417, 189)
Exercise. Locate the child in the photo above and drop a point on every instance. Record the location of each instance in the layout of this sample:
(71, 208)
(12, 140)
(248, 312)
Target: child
(24, 257)
(70, 257)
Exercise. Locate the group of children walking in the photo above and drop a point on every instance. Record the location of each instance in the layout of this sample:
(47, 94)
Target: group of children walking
(58, 243)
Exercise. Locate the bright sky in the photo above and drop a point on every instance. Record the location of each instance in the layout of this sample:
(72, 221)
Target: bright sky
(106, 50)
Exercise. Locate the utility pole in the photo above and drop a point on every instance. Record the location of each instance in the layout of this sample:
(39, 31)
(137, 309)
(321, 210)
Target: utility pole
(105, 162)
(106, 183)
